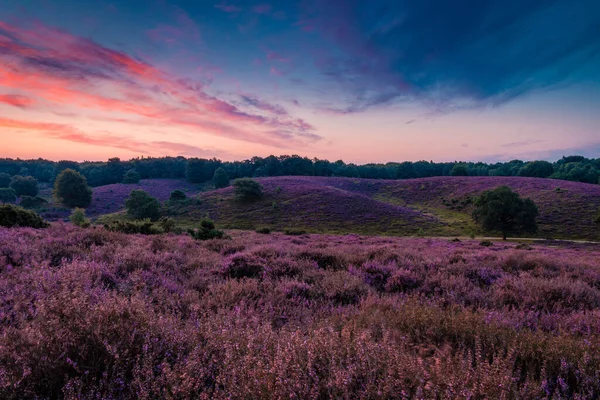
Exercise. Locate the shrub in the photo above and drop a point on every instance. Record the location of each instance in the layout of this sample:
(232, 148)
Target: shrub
(247, 189)
(144, 227)
(166, 224)
(597, 219)
(4, 180)
(24, 185)
(403, 280)
(263, 230)
(8, 195)
(206, 231)
(294, 231)
(12, 216)
(78, 218)
(486, 243)
(131, 177)
(140, 205)
(242, 265)
(177, 195)
(71, 189)
(32, 202)
(220, 178)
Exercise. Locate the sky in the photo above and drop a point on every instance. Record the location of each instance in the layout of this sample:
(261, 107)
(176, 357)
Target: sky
(361, 81)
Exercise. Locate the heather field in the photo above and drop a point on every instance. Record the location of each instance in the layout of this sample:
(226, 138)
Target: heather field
(92, 314)
(429, 206)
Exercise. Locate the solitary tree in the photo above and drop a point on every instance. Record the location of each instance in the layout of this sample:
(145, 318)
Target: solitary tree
(503, 210)
(71, 189)
(220, 178)
(247, 189)
(140, 205)
(131, 177)
(24, 185)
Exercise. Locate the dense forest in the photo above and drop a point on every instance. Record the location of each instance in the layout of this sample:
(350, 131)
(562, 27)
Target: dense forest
(198, 170)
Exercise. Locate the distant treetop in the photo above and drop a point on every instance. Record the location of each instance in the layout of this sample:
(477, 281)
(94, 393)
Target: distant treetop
(201, 170)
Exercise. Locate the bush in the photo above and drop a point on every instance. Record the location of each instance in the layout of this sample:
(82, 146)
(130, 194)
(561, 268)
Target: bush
(247, 189)
(486, 243)
(206, 231)
(140, 205)
(177, 195)
(4, 180)
(24, 185)
(12, 216)
(8, 195)
(78, 218)
(32, 202)
(131, 177)
(294, 231)
(166, 224)
(71, 189)
(263, 230)
(220, 178)
(144, 227)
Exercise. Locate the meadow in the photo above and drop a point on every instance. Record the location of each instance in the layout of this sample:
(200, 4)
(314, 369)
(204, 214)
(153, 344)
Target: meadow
(439, 206)
(90, 314)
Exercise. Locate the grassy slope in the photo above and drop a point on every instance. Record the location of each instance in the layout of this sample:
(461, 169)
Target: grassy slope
(432, 206)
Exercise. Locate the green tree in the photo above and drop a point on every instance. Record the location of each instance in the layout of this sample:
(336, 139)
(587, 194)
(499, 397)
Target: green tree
(537, 169)
(140, 205)
(131, 177)
(206, 231)
(24, 185)
(503, 210)
(71, 189)
(247, 189)
(4, 180)
(459, 170)
(220, 178)
(78, 218)
(177, 195)
(8, 195)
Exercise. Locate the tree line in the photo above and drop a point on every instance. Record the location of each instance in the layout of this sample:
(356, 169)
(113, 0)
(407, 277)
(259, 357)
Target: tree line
(199, 170)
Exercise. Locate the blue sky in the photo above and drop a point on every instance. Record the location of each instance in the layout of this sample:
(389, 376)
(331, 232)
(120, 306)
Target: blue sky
(343, 79)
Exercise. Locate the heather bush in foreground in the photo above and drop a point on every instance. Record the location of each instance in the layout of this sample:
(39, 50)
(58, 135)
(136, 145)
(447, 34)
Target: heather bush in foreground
(89, 313)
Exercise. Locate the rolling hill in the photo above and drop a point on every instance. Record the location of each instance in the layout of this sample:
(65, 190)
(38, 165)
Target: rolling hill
(439, 206)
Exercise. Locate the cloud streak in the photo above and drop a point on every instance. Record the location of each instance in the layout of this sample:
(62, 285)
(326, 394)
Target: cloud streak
(64, 70)
(71, 134)
(452, 55)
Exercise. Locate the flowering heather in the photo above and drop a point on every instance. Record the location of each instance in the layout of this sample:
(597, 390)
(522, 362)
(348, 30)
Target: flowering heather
(92, 314)
(400, 207)
(111, 198)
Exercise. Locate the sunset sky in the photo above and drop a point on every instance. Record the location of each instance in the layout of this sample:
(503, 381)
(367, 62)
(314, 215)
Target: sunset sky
(362, 81)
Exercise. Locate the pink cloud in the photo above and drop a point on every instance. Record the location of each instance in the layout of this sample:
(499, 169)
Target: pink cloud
(72, 134)
(86, 75)
(16, 100)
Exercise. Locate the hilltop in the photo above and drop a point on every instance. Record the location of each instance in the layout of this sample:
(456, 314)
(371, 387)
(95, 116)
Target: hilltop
(428, 206)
